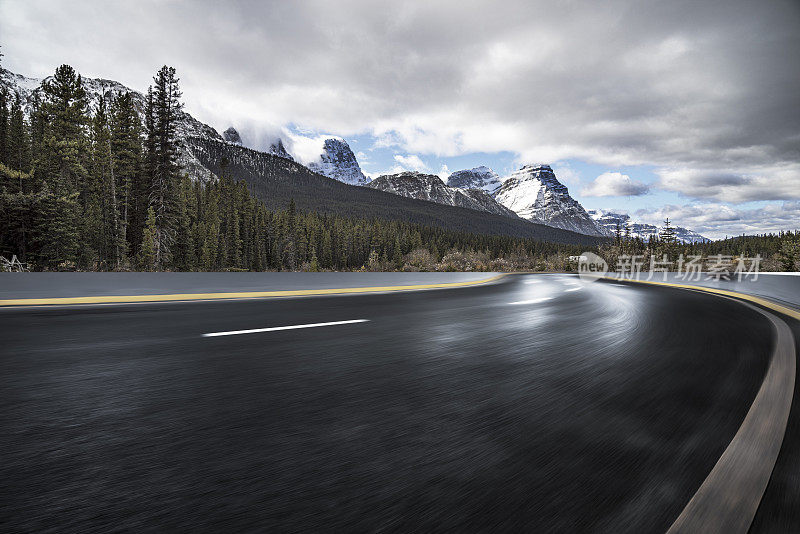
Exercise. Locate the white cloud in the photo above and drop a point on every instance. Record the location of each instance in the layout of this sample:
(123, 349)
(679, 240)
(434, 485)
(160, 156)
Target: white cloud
(306, 148)
(259, 136)
(686, 85)
(615, 184)
(715, 220)
(567, 174)
(411, 162)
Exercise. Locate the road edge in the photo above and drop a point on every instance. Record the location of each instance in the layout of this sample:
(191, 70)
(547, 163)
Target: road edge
(728, 499)
(182, 297)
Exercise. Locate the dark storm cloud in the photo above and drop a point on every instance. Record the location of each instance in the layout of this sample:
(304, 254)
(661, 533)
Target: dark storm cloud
(705, 91)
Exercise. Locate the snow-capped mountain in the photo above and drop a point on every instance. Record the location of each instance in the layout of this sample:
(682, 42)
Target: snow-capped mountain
(431, 188)
(608, 220)
(337, 161)
(478, 178)
(534, 193)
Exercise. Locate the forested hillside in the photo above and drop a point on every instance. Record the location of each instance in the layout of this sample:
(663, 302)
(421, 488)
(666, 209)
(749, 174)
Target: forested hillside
(94, 185)
(276, 180)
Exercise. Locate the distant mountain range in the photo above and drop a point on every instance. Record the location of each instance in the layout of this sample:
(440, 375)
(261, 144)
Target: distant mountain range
(276, 180)
(531, 202)
(609, 221)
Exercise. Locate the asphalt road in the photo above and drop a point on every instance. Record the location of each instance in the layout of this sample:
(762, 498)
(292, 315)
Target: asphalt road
(538, 404)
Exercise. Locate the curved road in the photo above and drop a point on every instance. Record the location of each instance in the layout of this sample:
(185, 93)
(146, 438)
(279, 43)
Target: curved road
(538, 404)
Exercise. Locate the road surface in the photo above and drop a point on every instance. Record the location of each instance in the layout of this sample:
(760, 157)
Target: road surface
(537, 404)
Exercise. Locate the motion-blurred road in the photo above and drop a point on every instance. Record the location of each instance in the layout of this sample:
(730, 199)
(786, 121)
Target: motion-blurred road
(539, 404)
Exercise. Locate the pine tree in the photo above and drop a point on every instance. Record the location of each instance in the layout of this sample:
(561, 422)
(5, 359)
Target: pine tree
(183, 249)
(147, 249)
(100, 212)
(4, 101)
(140, 195)
(667, 237)
(17, 145)
(16, 220)
(165, 170)
(667, 234)
(55, 232)
(38, 124)
(126, 151)
(326, 254)
(289, 256)
(789, 252)
(64, 115)
(313, 266)
(397, 255)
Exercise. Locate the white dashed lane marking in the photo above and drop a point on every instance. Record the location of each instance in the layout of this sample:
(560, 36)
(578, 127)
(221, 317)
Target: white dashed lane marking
(276, 328)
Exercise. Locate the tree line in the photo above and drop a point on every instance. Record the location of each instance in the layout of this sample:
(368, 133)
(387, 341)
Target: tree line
(778, 251)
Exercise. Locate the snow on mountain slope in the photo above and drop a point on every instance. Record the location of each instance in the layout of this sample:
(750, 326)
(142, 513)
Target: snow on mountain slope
(478, 178)
(431, 188)
(337, 161)
(609, 220)
(534, 193)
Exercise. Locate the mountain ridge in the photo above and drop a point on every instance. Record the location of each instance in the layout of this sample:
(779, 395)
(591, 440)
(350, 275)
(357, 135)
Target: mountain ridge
(276, 181)
(481, 177)
(430, 187)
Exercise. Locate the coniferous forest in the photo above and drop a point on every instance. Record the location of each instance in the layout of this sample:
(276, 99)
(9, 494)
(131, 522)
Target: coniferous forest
(91, 185)
(96, 185)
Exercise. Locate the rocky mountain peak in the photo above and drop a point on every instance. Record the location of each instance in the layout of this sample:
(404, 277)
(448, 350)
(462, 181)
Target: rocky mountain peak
(337, 161)
(277, 149)
(232, 136)
(534, 193)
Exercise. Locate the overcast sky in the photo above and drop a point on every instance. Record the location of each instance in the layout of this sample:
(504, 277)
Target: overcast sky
(687, 109)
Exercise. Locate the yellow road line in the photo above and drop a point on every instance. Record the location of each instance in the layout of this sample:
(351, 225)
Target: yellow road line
(791, 312)
(109, 299)
(729, 497)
